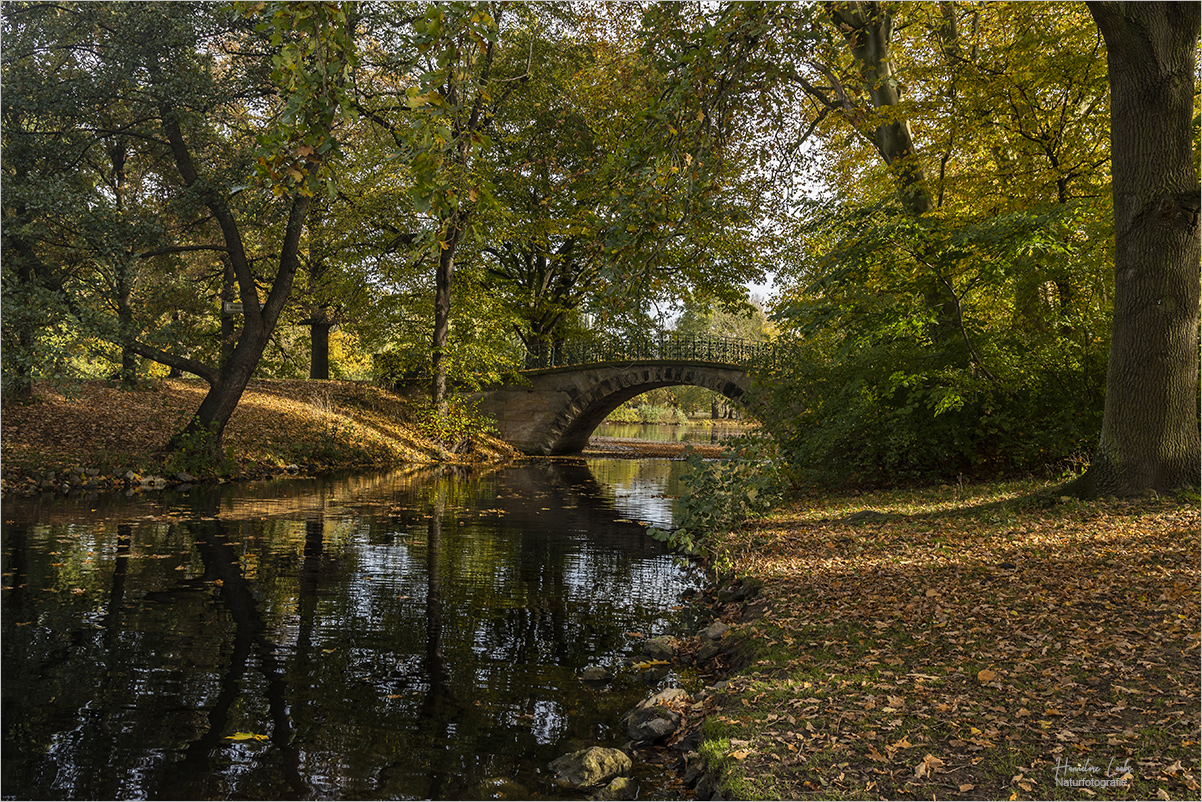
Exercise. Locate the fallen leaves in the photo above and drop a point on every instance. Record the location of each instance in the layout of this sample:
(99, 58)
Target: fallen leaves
(929, 651)
(101, 426)
(929, 765)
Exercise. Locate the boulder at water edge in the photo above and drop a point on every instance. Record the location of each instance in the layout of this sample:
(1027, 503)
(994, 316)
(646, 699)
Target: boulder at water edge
(651, 724)
(618, 788)
(596, 674)
(665, 696)
(589, 767)
(659, 648)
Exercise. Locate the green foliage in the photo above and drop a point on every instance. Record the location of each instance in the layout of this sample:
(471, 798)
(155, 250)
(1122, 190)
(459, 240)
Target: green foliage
(482, 348)
(653, 413)
(193, 453)
(447, 133)
(721, 494)
(879, 412)
(926, 348)
(456, 428)
(400, 364)
(313, 55)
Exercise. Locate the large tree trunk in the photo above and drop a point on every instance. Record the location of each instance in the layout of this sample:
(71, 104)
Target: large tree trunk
(229, 294)
(1150, 437)
(227, 384)
(118, 152)
(125, 323)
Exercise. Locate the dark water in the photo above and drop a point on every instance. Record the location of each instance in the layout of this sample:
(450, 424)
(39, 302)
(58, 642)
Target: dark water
(388, 636)
(669, 433)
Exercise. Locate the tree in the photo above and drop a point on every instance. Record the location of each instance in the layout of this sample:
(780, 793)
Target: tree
(314, 55)
(58, 222)
(944, 296)
(544, 256)
(1150, 436)
(190, 81)
(445, 134)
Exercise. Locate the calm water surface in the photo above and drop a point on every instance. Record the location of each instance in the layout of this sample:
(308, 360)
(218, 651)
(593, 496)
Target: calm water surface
(670, 433)
(401, 635)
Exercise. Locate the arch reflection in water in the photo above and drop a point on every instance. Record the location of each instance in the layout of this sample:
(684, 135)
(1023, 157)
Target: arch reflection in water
(403, 635)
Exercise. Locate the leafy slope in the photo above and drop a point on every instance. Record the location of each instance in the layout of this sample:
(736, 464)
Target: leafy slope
(317, 425)
(965, 649)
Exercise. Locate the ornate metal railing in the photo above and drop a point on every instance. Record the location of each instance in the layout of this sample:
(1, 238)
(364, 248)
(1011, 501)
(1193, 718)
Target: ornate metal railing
(667, 346)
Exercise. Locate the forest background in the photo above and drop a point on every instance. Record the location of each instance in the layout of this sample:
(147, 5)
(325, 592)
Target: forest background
(390, 191)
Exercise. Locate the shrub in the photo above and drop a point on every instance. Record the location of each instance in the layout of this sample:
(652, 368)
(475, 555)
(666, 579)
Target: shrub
(455, 429)
(193, 452)
(747, 481)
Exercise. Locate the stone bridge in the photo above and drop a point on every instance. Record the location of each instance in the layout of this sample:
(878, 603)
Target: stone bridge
(569, 391)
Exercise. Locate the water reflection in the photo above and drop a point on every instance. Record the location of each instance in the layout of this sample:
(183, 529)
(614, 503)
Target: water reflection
(670, 433)
(399, 635)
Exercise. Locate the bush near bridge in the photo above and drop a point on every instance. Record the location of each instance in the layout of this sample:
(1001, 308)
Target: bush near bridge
(888, 412)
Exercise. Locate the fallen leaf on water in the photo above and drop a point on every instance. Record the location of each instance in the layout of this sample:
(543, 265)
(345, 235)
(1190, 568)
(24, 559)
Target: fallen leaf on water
(246, 736)
(646, 664)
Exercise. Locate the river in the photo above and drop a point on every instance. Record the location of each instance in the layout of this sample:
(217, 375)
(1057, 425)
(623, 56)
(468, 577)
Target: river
(669, 433)
(415, 633)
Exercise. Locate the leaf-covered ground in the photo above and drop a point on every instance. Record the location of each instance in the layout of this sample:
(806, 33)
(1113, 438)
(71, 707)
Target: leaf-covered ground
(316, 425)
(955, 647)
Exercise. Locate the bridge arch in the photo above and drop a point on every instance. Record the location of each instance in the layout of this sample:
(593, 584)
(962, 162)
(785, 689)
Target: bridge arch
(557, 411)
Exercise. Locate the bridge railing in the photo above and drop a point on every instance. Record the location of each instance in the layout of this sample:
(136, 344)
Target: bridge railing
(654, 347)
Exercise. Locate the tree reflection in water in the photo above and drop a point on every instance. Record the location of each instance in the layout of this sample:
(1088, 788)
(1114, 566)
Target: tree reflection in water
(391, 636)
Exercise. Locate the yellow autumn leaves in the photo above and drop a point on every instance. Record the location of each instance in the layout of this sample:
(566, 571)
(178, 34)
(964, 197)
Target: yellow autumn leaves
(246, 736)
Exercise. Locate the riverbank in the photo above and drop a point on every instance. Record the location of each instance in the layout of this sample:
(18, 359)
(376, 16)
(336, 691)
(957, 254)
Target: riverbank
(626, 448)
(99, 436)
(960, 642)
